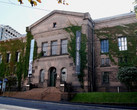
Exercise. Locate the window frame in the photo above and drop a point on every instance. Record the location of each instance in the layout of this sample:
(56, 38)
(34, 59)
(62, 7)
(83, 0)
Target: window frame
(66, 48)
(104, 45)
(102, 61)
(55, 48)
(105, 75)
(17, 58)
(44, 53)
(105, 62)
(8, 57)
(122, 60)
(122, 40)
(54, 24)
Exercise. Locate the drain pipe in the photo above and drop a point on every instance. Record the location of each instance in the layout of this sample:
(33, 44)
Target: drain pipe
(93, 59)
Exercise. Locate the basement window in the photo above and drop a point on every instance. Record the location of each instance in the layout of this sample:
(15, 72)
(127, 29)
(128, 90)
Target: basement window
(105, 78)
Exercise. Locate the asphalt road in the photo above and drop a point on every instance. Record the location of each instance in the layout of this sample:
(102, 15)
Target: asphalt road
(20, 104)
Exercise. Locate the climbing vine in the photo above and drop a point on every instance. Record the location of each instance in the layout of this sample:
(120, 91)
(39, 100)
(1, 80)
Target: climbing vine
(8, 69)
(112, 33)
(14, 68)
(72, 50)
(29, 37)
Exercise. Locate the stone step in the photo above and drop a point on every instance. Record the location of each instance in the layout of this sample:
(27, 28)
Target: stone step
(48, 94)
(51, 94)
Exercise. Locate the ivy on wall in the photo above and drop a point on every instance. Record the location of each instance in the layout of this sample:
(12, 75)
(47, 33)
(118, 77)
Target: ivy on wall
(13, 68)
(72, 50)
(29, 37)
(112, 33)
(11, 46)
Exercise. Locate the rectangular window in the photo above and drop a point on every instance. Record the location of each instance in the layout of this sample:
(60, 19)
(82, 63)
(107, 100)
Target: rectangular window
(102, 61)
(17, 56)
(45, 48)
(54, 48)
(8, 57)
(122, 60)
(64, 48)
(105, 78)
(104, 46)
(54, 25)
(122, 43)
(105, 62)
(0, 59)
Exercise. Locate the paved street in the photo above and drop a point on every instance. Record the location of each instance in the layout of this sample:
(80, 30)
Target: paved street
(19, 104)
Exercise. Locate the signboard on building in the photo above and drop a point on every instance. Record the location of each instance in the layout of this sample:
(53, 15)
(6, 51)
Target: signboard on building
(78, 41)
(31, 57)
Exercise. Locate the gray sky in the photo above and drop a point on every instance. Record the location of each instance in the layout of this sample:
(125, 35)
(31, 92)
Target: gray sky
(19, 16)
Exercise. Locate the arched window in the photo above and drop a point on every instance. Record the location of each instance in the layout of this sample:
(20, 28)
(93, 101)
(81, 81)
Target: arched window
(42, 75)
(63, 75)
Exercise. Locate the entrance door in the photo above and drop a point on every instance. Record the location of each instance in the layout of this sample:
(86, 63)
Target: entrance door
(52, 76)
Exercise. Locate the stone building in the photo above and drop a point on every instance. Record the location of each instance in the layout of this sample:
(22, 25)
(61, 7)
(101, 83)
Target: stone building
(7, 32)
(105, 69)
(56, 66)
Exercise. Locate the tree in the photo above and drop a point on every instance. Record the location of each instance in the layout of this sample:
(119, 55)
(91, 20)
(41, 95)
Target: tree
(135, 7)
(12, 81)
(128, 76)
(34, 2)
(19, 73)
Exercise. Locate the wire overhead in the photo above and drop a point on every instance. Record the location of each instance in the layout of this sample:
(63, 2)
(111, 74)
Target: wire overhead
(11, 3)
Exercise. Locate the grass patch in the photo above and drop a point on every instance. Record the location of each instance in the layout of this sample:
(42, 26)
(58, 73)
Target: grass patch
(106, 97)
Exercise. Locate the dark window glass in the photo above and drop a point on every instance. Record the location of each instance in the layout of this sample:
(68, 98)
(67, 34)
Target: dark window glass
(102, 61)
(45, 48)
(104, 46)
(105, 62)
(105, 78)
(8, 57)
(54, 48)
(17, 56)
(64, 48)
(54, 25)
(122, 60)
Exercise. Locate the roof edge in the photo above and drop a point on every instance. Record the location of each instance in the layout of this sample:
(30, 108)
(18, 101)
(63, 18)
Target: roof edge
(84, 15)
(116, 17)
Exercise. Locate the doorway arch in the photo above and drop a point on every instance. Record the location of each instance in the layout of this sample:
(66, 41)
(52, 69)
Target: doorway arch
(52, 77)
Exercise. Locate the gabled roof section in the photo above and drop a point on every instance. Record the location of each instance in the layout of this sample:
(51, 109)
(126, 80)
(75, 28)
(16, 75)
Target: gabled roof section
(83, 15)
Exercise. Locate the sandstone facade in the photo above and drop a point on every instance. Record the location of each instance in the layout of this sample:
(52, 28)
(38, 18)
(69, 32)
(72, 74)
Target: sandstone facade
(51, 28)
